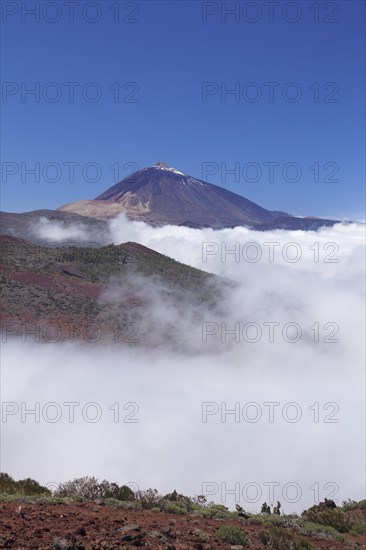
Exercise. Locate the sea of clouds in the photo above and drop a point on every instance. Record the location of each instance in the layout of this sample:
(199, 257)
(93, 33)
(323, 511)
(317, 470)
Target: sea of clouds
(261, 401)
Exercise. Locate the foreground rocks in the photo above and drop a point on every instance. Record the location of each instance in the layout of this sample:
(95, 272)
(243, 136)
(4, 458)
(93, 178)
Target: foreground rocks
(87, 526)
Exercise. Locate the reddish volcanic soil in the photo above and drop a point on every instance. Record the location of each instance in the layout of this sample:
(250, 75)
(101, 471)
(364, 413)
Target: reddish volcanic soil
(94, 526)
(30, 278)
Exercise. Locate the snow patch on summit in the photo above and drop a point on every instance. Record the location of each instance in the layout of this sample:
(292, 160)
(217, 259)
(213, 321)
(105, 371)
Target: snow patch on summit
(163, 166)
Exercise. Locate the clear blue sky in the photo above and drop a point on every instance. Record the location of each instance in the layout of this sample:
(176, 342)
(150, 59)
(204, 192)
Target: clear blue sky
(169, 52)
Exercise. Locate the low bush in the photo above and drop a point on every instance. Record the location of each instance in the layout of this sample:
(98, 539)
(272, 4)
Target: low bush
(276, 520)
(233, 535)
(280, 538)
(91, 489)
(123, 504)
(24, 487)
(267, 524)
(359, 528)
(349, 505)
(353, 505)
(217, 511)
(310, 528)
(34, 499)
(149, 499)
(174, 508)
(257, 519)
(334, 517)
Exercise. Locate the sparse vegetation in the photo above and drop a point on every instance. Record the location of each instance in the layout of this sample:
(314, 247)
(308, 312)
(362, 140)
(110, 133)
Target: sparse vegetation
(107, 286)
(99, 264)
(279, 532)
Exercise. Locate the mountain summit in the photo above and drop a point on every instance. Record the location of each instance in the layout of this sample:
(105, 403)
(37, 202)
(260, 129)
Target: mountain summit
(161, 195)
(163, 166)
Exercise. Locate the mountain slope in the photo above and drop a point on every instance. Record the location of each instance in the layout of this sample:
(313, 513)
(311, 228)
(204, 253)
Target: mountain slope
(112, 288)
(162, 192)
(162, 195)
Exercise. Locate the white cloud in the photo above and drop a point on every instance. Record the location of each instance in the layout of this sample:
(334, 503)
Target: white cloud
(170, 447)
(55, 231)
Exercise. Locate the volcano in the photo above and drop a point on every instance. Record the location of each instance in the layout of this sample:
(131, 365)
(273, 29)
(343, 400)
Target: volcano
(162, 195)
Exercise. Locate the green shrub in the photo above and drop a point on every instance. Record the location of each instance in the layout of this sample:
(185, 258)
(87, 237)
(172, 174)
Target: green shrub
(24, 487)
(353, 505)
(267, 520)
(232, 535)
(124, 493)
(316, 529)
(7, 484)
(149, 498)
(280, 538)
(123, 504)
(275, 520)
(334, 517)
(34, 499)
(257, 519)
(185, 503)
(359, 528)
(217, 511)
(9, 498)
(349, 504)
(174, 508)
(90, 488)
(202, 535)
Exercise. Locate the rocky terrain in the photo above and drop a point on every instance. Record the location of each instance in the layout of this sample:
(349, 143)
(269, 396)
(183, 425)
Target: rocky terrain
(100, 526)
(86, 514)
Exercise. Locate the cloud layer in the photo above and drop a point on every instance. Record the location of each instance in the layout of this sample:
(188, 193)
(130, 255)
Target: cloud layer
(283, 353)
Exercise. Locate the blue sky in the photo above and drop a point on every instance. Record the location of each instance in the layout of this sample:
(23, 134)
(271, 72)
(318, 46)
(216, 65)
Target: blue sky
(162, 55)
